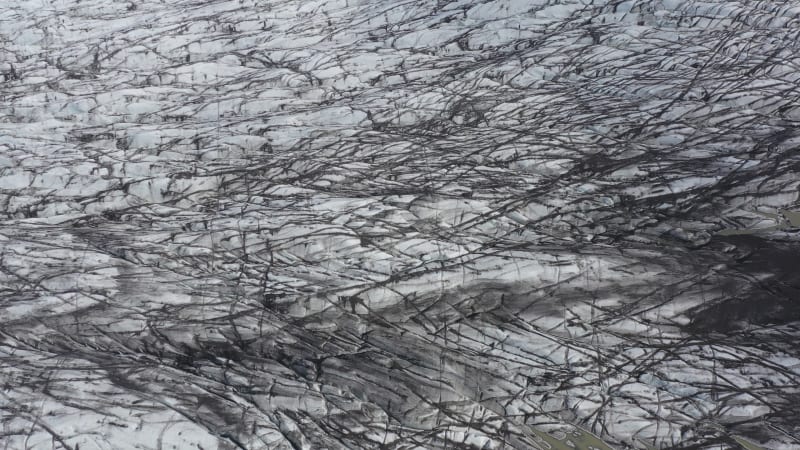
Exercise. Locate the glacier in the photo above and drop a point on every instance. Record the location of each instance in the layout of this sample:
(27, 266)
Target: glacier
(345, 224)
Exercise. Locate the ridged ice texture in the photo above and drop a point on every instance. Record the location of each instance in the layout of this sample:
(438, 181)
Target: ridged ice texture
(314, 224)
